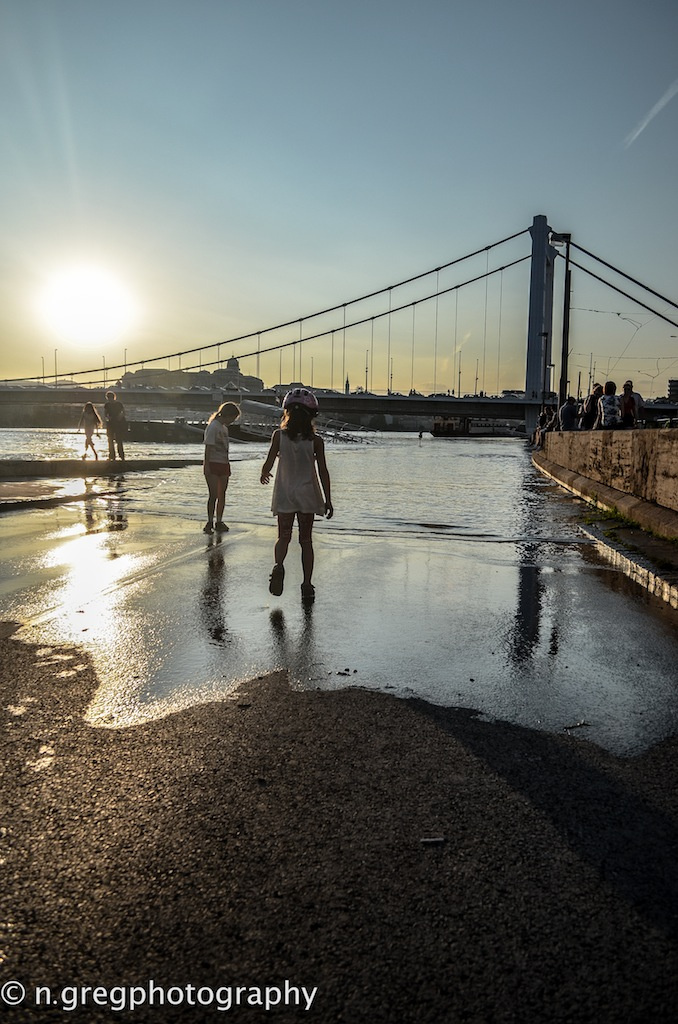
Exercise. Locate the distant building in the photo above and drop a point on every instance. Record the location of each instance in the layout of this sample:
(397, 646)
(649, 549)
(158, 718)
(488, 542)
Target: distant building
(228, 378)
(231, 379)
(673, 391)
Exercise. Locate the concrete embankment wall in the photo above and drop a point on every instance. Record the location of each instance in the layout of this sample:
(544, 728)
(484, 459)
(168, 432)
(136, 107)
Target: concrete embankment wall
(634, 472)
(23, 469)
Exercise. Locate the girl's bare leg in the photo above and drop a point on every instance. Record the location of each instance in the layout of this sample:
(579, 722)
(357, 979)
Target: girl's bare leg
(306, 542)
(222, 484)
(212, 486)
(285, 524)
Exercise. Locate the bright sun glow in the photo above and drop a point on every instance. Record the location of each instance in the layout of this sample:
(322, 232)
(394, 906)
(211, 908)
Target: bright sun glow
(86, 305)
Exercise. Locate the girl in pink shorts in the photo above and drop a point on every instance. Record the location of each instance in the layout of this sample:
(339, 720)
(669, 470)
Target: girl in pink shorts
(216, 467)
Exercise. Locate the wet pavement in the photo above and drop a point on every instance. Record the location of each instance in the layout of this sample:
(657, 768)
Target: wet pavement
(544, 635)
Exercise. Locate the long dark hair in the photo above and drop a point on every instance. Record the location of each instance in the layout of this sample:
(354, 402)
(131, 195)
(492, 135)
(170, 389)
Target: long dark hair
(297, 422)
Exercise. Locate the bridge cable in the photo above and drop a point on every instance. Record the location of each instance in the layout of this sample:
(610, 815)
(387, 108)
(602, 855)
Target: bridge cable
(310, 316)
(622, 274)
(377, 316)
(626, 294)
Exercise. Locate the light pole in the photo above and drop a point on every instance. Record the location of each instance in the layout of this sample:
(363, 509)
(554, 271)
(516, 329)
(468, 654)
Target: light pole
(556, 240)
(55, 368)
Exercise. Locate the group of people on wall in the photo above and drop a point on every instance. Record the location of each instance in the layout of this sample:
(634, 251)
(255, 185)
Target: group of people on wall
(115, 423)
(602, 409)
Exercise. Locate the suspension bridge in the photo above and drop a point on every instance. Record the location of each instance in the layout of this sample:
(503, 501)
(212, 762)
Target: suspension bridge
(441, 337)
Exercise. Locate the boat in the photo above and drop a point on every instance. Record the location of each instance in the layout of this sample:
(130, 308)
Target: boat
(463, 426)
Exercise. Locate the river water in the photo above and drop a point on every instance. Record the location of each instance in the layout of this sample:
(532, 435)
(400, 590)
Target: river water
(452, 571)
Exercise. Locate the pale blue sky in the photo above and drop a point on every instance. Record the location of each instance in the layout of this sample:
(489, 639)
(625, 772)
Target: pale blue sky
(240, 163)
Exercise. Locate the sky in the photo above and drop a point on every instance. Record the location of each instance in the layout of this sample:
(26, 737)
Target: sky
(208, 169)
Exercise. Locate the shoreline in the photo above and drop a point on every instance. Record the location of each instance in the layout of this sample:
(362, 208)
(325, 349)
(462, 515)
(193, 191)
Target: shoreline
(283, 835)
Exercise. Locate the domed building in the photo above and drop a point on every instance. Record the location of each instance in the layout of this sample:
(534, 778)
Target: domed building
(231, 379)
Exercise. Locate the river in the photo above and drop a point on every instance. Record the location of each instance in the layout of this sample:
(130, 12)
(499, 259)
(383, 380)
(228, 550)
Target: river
(452, 571)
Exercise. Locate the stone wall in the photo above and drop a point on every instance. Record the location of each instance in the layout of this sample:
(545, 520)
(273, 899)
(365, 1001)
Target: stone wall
(642, 463)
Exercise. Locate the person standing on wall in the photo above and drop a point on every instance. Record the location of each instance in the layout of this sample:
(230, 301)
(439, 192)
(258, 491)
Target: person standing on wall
(90, 422)
(116, 426)
(628, 410)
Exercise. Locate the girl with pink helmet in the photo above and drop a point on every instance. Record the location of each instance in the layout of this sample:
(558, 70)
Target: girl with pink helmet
(302, 485)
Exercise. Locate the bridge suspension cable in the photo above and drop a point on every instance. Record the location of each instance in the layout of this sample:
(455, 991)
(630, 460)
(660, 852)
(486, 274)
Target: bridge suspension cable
(622, 274)
(626, 295)
(256, 334)
(375, 316)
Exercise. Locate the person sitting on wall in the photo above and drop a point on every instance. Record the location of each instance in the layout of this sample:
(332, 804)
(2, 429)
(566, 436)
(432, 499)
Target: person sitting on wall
(590, 409)
(548, 420)
(567, 415)
(609, 417)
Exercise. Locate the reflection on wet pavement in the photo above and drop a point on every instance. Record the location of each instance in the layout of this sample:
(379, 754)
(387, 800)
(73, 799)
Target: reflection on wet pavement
(535, 631)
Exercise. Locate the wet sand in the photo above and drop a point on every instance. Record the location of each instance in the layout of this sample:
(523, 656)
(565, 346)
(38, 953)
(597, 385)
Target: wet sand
(283, 835)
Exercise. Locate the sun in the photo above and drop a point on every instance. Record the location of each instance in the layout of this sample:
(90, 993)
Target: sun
(87, 305)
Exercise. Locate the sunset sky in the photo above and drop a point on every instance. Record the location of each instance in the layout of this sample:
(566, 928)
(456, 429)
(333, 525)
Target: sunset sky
(217, 167)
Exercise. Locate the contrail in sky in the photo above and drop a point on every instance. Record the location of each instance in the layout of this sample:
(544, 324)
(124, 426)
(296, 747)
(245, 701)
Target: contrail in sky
(668, 95)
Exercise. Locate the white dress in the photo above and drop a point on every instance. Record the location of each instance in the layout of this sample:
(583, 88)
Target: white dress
(296, 487)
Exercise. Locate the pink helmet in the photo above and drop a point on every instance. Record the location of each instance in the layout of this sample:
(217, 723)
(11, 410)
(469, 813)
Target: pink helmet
(301, 396)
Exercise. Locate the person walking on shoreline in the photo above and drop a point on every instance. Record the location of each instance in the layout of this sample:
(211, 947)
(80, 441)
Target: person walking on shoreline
(297, 491)
(116, 426)
(216, 466)
(90, 421)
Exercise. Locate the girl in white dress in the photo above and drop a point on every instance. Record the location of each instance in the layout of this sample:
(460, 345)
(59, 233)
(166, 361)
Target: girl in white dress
(297, 491)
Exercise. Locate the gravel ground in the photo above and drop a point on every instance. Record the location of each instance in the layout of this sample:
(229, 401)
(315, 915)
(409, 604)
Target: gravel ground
(281, 838)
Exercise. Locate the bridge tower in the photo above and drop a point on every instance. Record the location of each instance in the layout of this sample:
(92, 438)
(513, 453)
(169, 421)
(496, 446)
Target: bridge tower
(540, 320)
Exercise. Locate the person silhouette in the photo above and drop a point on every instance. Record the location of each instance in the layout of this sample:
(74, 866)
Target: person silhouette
(297, 491)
